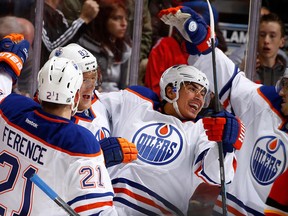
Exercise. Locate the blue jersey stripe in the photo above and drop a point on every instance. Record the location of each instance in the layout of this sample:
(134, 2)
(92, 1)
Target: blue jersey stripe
(241, 205)
(228, 84)
(136, 207)
(148, 191)
(89, 196)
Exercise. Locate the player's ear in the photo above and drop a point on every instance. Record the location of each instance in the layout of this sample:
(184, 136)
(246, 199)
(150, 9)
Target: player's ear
(282, 42)
(170, 93)
(77, 97)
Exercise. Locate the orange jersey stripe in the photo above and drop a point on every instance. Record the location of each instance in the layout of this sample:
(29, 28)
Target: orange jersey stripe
(93, 206)
(230, 209)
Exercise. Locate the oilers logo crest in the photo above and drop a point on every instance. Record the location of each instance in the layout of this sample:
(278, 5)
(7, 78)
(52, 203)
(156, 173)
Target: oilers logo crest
(158, 143)
(102, 133)
(268, 159)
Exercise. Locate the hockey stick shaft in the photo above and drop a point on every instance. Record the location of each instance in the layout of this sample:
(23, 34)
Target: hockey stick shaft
(217, 109)
(52, 194)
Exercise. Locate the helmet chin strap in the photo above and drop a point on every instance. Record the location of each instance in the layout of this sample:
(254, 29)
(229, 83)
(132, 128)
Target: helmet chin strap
(175, 105)
(75, 107)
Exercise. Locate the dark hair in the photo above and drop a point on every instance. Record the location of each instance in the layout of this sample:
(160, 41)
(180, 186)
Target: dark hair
(99, 31)
(272, 17)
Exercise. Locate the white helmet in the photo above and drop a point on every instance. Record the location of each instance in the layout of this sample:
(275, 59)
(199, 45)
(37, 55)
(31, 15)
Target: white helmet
(86, 61)
(280, 82)
(59, 80)
(285, 75)
(178, 74)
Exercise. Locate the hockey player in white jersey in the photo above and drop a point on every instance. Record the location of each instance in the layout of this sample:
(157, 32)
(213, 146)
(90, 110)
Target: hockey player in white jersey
(42, 139)
(174, 154)
(263, 110)
(96, 120)
(91, 113)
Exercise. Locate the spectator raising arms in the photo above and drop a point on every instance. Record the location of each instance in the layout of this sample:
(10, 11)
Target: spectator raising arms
(56, 30)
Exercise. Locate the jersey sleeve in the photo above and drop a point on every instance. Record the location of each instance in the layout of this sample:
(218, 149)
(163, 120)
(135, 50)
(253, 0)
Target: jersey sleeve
(5, 84)
(235, 90)
(89, 187)
(120, 104)
(112, 102)
(206, 164)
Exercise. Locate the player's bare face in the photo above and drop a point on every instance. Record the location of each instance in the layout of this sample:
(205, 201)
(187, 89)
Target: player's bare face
(191, 100)
(86, 90)
(270, 40)
(117, 24)
(284, 94)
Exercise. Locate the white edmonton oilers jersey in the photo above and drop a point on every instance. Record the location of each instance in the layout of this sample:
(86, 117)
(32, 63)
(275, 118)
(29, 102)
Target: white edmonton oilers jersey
(263, 156)
(65, 155)
(5, 84)
(94, 119)
(173, 158)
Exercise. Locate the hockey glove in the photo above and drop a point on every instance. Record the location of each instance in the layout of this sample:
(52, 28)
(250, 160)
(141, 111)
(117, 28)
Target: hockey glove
(227, 128)
(14, 52)
(118, 150)
(192, 27)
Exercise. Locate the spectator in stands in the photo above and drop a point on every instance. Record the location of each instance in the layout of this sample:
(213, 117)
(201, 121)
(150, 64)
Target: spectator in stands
(271, 59)
(13, 24)
(25, 80)
(271, 38)
(107, 40)
(159, 29)
(72, 8)
(57, 32)
(9, 24)
(24, 9)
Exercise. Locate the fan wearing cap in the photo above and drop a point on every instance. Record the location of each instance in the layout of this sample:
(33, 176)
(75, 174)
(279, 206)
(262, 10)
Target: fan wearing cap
(174, 153)
(91, 114)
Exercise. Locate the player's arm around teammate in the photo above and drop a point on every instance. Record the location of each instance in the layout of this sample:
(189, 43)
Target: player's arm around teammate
(90, 112)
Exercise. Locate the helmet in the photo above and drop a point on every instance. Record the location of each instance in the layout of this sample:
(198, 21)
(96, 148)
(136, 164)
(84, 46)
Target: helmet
(86, 61)
(178, 74)
(285, 75)
(59, 80)
(281, 82)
